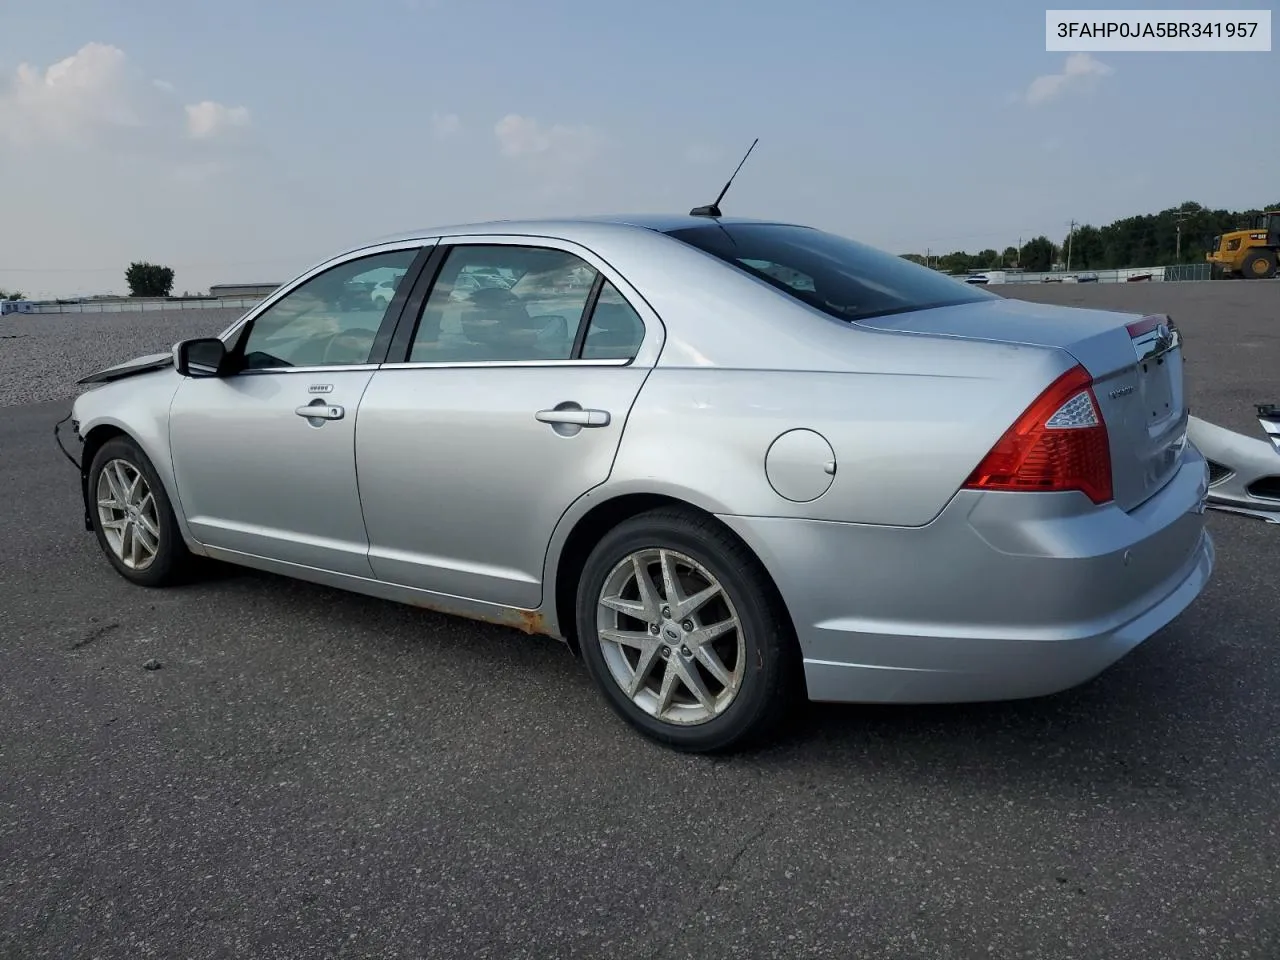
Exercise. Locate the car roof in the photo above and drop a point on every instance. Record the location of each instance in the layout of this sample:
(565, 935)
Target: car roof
(570, 227)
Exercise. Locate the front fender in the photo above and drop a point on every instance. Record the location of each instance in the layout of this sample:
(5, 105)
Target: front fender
(138, 407)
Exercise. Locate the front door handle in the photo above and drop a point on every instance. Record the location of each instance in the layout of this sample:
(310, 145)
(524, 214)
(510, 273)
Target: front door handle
(319, 410)
(576, 416)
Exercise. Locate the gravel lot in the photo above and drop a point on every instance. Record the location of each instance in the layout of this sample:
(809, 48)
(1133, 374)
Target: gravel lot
(42, 355)
(314, 774)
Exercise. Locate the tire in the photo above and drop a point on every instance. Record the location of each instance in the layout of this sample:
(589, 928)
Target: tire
(1259, 265)
(759, 656)
(171, 561)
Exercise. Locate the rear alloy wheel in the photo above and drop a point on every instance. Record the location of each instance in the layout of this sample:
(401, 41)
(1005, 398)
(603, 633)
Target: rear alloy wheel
(1259, 265)
(682, 631)
(132, 518)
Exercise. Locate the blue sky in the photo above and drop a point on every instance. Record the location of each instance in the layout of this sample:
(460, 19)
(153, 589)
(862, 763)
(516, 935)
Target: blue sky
(242, 140)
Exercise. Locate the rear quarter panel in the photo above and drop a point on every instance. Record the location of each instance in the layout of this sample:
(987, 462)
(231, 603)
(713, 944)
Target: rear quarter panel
(908, 419)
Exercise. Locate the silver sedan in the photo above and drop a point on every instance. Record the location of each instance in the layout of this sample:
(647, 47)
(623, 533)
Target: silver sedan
(730, 463)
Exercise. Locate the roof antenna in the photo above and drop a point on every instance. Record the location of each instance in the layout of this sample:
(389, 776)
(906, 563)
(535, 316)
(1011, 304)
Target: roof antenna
(713, 210)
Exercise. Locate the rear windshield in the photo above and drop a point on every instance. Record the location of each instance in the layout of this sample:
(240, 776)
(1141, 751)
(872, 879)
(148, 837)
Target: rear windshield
(841, 277)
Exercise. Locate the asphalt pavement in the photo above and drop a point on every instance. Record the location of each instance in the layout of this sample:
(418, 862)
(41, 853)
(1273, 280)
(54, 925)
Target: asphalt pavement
(316, 774)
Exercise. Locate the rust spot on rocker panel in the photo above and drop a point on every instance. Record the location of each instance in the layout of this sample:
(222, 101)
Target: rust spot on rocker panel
(527, 621)
(531, 622)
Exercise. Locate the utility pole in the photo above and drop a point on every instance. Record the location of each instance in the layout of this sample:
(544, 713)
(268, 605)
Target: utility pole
(1071, 232)
(1178, 218)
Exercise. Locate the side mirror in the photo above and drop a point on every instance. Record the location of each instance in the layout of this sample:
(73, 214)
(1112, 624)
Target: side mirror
(204, 357)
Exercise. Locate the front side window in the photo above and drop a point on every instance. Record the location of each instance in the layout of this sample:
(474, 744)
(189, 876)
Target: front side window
(503, 302)
(841, 277)
(330, 319)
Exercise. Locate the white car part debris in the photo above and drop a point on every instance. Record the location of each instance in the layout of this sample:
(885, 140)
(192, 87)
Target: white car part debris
(1244, 473)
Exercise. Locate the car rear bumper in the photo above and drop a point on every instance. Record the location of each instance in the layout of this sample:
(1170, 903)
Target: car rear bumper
(1003, 596)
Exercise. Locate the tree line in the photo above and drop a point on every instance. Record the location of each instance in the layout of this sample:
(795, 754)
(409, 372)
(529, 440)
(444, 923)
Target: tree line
(1147, 240)
(144, 280)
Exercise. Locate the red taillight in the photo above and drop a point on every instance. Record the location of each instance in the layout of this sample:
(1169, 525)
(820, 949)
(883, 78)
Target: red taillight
(1059, 443)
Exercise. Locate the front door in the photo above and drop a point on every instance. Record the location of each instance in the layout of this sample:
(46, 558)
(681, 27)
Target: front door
(264, 456)
(508, 406)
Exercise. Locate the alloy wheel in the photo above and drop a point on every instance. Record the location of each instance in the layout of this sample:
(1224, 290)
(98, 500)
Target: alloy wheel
(128, 514)
(671, 637)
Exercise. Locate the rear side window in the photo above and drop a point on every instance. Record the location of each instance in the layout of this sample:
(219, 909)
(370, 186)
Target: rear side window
(615, 331)
(503, 303)
(841, 277)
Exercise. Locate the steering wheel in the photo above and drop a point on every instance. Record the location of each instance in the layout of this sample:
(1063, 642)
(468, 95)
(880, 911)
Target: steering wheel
(349, 346)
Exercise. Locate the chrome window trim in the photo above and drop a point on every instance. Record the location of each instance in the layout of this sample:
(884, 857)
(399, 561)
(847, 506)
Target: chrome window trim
(285, 289)
(432, 364)
(326, 368)
(427, 364)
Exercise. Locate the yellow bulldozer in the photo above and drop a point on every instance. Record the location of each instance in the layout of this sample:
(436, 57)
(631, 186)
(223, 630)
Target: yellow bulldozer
(1250, 253)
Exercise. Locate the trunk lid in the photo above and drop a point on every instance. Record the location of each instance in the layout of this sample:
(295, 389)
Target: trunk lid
(1135, 360)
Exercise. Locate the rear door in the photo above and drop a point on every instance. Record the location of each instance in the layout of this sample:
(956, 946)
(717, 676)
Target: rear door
(501, 404)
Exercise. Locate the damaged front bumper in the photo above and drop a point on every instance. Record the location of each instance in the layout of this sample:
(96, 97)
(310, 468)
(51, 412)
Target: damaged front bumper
(1244, 472)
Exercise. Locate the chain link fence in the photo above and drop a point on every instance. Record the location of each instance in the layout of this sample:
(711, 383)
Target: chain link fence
(1172, 274)
(1189, 271)
(140, 304)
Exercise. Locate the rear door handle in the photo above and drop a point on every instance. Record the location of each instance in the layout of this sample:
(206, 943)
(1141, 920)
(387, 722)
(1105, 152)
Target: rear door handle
(321, 411)
(578, 417)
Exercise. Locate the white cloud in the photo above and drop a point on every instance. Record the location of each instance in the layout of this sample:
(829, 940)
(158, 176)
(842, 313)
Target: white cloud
(559, 146)
(98, 94)
(208, 119)
(445, 125)
(93, 88)
(1081, 70)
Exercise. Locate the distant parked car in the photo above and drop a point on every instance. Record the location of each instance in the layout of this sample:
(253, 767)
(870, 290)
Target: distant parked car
(747, 461)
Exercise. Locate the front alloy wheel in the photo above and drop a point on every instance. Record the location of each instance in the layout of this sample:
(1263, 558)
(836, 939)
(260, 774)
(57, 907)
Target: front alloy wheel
(132, 516)
(127, 513)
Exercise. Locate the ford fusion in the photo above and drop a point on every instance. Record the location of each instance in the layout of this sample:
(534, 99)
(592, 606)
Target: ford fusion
(731, 463)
